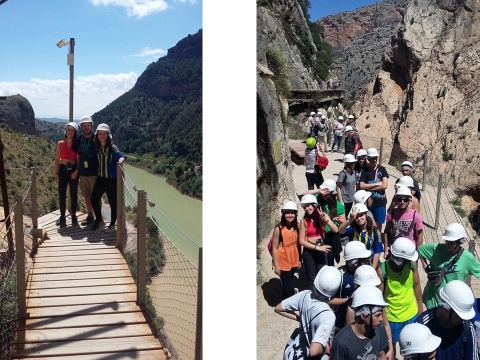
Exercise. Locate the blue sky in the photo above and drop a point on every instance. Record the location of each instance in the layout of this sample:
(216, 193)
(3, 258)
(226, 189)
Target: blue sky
(320, 9)
(115, 40)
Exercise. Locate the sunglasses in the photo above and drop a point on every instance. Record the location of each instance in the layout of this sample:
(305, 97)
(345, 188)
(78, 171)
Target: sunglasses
(405, 200)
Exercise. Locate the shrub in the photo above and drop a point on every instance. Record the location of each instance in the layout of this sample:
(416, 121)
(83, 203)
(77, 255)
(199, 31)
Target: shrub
(278, 65)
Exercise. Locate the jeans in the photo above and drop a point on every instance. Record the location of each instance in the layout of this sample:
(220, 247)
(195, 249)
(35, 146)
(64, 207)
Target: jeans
(314, 179)
(322, 139)
(337, 140)
(287, 282)
(102, 186)
(313, 260)
(63, 181)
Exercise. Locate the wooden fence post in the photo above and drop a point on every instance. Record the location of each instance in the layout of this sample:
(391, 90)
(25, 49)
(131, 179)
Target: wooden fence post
(425, 164)
(20, 246)
(380, 158)
(141, 246)
(33, 197)
(198, 332)
(439, 197)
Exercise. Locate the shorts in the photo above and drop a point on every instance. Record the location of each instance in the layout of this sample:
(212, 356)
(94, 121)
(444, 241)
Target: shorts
(379, 213)
(87, 183)
(396, 327)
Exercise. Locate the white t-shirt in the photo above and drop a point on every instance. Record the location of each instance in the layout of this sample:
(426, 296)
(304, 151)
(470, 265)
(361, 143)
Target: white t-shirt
(310, 159)
(339, 131)
(322, 325)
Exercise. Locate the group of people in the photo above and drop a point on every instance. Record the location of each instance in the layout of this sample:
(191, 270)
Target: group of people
(361, 310)
(88, 159)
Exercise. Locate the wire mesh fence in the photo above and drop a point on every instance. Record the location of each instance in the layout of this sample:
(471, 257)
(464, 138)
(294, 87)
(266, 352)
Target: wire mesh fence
(171, 278)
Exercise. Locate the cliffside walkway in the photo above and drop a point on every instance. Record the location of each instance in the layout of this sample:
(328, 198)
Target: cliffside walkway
(81, 300)
(305, 96)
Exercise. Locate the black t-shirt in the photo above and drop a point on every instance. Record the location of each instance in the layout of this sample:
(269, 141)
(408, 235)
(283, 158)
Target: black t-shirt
(88, 156)
(350, 143)
(369, 176)
(416, 187)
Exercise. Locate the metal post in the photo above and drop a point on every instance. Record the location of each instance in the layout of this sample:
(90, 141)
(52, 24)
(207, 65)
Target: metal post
(141, 246)
(120, 208)
(198, 331)
(381, 152)
(33, 197)
(425, 164)
(20, 246)
(439, 197)
(70, 62)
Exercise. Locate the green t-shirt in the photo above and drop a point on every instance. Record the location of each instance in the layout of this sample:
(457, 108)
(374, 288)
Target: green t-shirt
(340, 211)
(438, 257)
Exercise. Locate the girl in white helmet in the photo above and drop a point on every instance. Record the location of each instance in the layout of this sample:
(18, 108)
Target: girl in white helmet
(286, 248)
(66, 172)
(312, 237)
(359, 227)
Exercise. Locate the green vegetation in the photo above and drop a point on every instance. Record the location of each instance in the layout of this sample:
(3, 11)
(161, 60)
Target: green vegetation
(278, 65)
(457, 205)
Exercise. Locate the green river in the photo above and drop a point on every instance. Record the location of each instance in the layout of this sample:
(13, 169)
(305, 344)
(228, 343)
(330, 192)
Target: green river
(182, 210)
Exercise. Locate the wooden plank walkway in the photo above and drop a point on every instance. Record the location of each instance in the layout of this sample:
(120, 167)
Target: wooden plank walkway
(81, 301)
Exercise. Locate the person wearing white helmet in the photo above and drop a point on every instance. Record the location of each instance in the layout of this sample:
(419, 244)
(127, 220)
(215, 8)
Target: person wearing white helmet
(446, 262)
(346, 182)
(313, 125)
(323, 130)
(338, 134)
(400, 284)
(407, 170)
(364, 197)
(312, 172)
(361, 164)
(352, 144)
(366, 337)
(312, 237)
(375, 179)
(286, 248)
(359, 227)
(315, 315)
(417, 342)
(108, 156)
(87, 165)
(355, 255)
(328, 201)
(451, 321)
(66, 173)
(406, 181)
(403, 221)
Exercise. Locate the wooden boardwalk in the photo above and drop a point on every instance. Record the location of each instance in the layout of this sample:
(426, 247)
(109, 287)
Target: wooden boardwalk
(81, 301)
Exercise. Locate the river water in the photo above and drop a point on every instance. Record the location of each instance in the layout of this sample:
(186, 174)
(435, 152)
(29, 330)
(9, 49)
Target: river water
(182, 210)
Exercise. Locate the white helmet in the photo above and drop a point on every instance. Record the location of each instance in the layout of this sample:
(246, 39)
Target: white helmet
(417, 338)
(351, 116)
(366, 275)
(86, 119)
(340, 117)
(348, 128)
(403, 190)
(328, 280)
(330, 185)
(407, 164)
(349, 158)
(405, 181)
(289, 205)
(308, 199)
(324, 117)
(460, 297)
(312, 113)
(359, 208)
(72, 124)
(404, 248)
(356, 250)
(361, 196)
(368, 295)
(372, 152)
(454, 232)
(103, 127)
(361, 152)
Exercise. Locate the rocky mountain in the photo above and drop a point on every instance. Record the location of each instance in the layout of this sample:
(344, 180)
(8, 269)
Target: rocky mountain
(17, 112)
(426, 93)
(358, 39)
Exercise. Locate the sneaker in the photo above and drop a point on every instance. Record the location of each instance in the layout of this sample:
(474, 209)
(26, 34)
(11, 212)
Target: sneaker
(88, 220)
(98, 227)
(110, 229)
(74, 220)
(62, 222)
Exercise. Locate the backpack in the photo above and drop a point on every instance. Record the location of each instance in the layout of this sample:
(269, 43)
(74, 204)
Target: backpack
(359, 143)
(280, 240)
(321, 162)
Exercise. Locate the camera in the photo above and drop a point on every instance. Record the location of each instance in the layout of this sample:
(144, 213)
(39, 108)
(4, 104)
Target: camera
(69, 165)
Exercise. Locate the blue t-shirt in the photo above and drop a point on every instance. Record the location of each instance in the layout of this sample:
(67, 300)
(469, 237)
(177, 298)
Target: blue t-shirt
(344, 291)
(452, 346)
(372, 240)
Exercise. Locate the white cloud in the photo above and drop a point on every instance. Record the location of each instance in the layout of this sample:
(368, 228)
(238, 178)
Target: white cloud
(137, 8)
(50, 98)
(146, 51)
(184, 1)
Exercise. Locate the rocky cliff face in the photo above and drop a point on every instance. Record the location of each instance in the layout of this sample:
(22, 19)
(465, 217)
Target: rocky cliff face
(425, 95)
(274, 179)
(17, 112)
(358, 40)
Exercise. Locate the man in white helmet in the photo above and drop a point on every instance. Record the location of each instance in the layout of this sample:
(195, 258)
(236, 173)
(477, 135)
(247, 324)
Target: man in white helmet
(407, 170)
(418, 342)
(366, 338)
(323, 130)
(450, 321)
(315, 315)
(88, 166)
(447, 262)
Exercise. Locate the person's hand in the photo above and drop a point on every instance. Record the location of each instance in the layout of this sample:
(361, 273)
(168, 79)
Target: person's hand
(389, 354)
(385, 253)
(324, 248)
(74, 174)
(336, 218)
(324, 191)
(353, 215)
(324, 216)
(57, 179)
(277, 270)
(121, 160)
